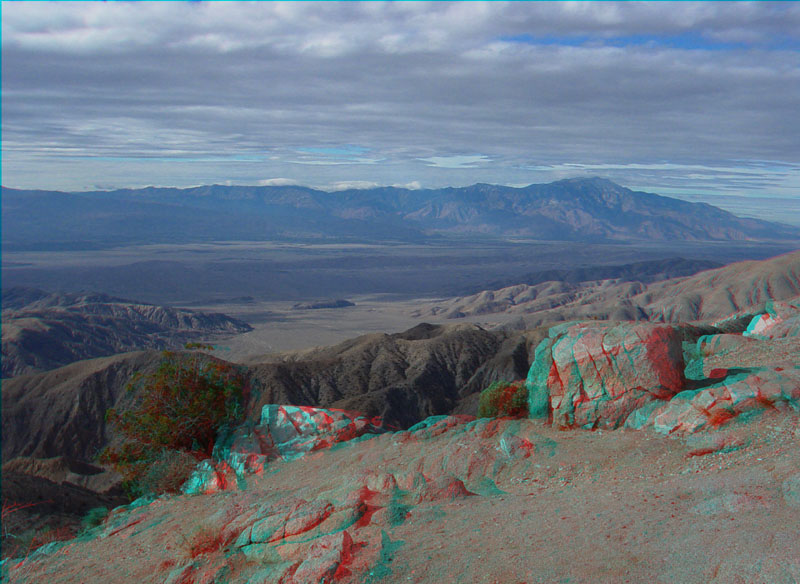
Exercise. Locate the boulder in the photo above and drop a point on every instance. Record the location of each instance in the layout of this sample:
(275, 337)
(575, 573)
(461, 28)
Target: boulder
(593, 375)
(697, 355)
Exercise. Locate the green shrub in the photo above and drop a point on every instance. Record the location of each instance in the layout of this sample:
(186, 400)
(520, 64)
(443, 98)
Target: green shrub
(93, 518)
(178, 413)
(504, 398)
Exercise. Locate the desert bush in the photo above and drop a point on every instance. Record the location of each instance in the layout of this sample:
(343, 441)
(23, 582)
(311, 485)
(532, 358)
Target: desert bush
(504, 398)
(168, 472)
(177, 414)
(198, 347)
(30, 540)
(93, 518)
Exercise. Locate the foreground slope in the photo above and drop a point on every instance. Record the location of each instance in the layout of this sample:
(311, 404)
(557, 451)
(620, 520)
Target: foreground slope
(479, 502)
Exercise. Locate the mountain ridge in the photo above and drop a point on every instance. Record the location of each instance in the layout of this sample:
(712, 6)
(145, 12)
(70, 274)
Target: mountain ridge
(568, 210)
(43, 331)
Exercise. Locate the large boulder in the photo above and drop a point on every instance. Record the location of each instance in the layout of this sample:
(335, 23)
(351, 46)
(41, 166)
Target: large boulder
(594, 375)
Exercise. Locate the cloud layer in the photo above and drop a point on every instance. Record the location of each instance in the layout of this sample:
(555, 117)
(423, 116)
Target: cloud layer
(688, 97)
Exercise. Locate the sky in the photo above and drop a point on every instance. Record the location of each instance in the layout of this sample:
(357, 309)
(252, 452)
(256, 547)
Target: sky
(695, 100)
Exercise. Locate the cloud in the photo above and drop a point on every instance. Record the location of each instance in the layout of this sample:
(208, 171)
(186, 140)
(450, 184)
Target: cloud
(455, 161)
(685, 95)
(349, 185)
(414, 185)
(277, 182)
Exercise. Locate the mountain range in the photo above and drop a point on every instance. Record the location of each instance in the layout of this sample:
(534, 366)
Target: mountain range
(592, 209)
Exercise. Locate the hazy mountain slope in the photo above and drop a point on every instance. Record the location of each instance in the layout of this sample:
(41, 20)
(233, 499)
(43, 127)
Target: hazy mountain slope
(56, 220)
(645, 271)
(548, 302)
(570, 210)
(710, 294)
(742, 286)
(43, 331)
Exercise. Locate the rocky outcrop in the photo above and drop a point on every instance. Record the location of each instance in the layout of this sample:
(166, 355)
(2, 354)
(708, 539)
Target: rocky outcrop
(592, 375)
(748, 391)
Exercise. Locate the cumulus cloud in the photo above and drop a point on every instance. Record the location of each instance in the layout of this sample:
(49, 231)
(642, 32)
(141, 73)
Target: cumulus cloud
(658, 95)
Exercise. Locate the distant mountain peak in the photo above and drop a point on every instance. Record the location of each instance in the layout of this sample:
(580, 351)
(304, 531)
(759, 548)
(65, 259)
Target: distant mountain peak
(590, 181)
(573, 209)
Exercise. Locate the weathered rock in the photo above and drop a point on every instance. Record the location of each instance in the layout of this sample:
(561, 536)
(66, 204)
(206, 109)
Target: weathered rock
(436, 425)
(696, 355)
(694, 410)
(781, 320)
(325, 556)
(284, 432)
(210, 477)
(708, 345)
(441, 488)
(592, 375)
